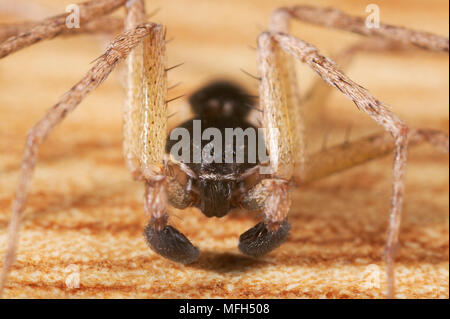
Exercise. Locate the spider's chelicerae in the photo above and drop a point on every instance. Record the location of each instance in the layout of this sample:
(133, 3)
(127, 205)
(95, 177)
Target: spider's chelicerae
(219, 186)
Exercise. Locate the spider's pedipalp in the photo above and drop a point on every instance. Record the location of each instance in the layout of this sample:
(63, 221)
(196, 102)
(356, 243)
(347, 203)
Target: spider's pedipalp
(260, 240)
(271, 197)
(171, 244)
(179, 185)
(162, 238)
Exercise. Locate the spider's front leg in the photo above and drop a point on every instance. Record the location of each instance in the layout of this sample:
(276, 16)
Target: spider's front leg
(377, 110)
(145, 130)
(279, 101)
(117, 51)
(348, 155)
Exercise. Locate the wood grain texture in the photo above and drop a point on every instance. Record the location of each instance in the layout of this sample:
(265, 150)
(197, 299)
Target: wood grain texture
(85, 209)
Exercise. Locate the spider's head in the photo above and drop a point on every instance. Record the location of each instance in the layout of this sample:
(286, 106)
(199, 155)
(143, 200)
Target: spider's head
(215, 179)
(221, 99)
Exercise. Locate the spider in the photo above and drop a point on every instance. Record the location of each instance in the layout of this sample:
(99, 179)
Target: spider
(216, 188)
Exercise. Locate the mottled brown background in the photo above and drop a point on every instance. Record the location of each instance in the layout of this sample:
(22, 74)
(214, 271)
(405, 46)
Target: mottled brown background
(85, 210)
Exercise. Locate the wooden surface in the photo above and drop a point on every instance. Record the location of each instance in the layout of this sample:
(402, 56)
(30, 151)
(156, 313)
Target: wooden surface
(86, 213)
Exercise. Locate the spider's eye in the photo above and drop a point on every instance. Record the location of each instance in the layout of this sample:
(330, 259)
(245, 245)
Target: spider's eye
(213, 103)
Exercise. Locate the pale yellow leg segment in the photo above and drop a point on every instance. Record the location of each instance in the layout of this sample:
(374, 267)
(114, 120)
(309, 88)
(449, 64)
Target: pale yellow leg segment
(145, 115)
(280, 22)
(135, 92)
(270, 195)
(272, 92)
(342, 157)
(153, 121)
